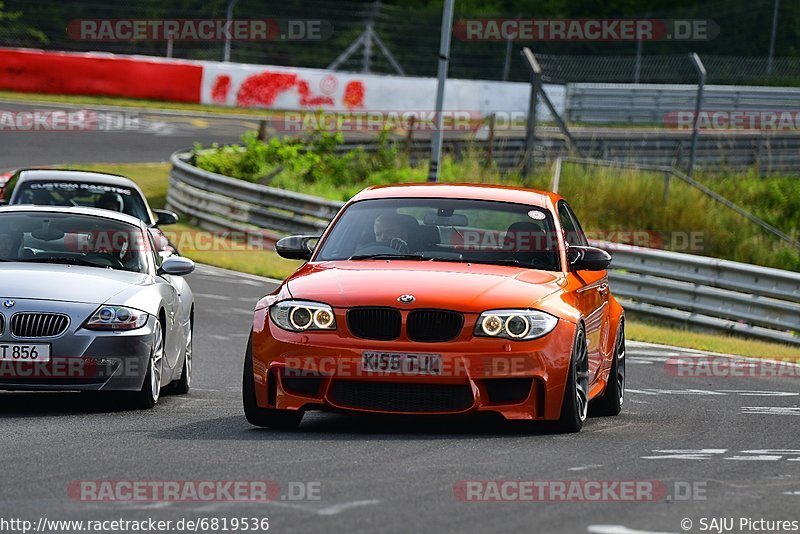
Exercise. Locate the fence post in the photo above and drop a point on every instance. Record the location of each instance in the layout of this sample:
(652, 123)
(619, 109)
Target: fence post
(530, 130)
(666, 187)
(226, 55)
(444, 59)
(490, 146)
(410, 135)
(701, 73)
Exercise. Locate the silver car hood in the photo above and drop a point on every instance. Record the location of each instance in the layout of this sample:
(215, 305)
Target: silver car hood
(71, 283)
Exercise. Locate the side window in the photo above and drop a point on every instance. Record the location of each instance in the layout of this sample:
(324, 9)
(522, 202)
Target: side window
(154, 251)
(573, 233)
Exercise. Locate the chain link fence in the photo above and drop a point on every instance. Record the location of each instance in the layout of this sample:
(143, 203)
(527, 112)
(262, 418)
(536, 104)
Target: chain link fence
(410, 33)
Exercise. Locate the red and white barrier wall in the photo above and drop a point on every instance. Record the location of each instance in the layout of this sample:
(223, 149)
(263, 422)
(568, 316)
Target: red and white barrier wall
(233, 84)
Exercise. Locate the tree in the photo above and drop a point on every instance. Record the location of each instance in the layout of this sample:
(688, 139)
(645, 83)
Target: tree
(14, 32)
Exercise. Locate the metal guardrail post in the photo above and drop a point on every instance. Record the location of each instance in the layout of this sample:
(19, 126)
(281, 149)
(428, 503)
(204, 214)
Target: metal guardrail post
(530, 130)
(701, 73)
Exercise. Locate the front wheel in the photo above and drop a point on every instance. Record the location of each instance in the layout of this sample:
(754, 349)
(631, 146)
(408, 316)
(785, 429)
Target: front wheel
(264, 417)
(574, 408)
(148, 396)
(613, 397)
(184, 383)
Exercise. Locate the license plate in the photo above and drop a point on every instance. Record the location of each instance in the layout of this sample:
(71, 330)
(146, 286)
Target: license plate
(24, 352)
(402, 363)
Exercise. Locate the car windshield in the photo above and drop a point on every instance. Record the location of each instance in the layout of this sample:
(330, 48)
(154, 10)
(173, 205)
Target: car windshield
(70, 193)
(457, 230)
(43, 237)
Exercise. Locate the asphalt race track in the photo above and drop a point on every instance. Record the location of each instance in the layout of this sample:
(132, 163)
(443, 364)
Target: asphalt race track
(718, 447)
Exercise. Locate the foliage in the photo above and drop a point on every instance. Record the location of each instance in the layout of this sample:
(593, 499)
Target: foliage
(611, 203)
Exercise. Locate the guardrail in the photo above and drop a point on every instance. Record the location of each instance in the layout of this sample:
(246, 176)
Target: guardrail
(707, 292)
(693, 290)
(768, 152)
(218, 202)
(650, 103)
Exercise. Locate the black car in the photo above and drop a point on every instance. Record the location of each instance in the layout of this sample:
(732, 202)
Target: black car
(50, 187)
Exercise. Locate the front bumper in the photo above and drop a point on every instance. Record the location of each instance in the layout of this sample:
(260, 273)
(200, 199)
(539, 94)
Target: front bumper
(322, 370)
(84, 360)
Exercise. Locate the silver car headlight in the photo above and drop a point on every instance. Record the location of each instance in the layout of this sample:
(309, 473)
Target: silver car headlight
(518, 325)
(302, 315)
(116, 318)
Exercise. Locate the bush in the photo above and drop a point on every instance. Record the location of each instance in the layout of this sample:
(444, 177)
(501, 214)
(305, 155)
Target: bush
(607, 200)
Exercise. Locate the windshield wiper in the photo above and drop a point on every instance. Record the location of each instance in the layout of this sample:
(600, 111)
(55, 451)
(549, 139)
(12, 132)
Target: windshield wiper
(385, 256)
(503, 261)
(67, 261)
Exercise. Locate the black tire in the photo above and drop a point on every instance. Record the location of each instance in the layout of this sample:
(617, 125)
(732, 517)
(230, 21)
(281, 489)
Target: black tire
(613, 397)
(147, 397)
(263, 417)
(574, 407)
(184, 383)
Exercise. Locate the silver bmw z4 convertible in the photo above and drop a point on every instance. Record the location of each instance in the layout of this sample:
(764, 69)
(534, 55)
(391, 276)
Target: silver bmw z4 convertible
(86, 303)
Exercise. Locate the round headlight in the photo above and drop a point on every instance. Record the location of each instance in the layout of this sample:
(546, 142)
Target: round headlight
(300, 318)
(323, 318)
(517, 326)
(123, 315)
(492, 325)
(106, 315)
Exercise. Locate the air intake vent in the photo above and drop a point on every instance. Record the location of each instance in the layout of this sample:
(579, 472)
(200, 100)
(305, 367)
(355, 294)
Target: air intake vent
(374, 323)
(434, 325)
(38, 324)
(398, 397)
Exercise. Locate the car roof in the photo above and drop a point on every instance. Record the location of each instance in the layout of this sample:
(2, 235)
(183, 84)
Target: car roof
(90, 177)
(499, 193)
(75, 210)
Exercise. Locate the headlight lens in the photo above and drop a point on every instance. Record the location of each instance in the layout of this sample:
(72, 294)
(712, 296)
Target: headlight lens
(301, 315)
(116, 318)
(515, 324)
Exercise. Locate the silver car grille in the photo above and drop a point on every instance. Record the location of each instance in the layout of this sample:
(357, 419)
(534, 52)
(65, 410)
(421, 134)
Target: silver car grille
(2, 323)
(38, 324)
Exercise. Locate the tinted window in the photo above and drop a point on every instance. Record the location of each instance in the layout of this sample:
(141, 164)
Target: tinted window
(477, 231)
(65, 193)
(71, 239)
(573, 233)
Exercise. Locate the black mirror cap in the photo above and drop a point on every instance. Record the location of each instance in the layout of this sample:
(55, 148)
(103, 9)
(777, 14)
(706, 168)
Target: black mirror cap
(165, 217)
(588, 259)
(176, 266)
(295, 247)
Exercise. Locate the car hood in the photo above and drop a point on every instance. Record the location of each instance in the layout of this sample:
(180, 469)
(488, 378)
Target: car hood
(70, 283)
(459, 286)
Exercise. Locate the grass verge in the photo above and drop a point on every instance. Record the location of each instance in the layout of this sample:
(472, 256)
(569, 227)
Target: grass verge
(78, 100)
(153, 179)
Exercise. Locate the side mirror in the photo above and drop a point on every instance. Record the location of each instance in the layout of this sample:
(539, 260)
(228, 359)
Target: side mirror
(165, 217)
(587, 258)
(176, 266)
(295, 247)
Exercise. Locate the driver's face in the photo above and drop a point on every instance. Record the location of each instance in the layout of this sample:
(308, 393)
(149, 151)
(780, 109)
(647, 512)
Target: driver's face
(386, 231)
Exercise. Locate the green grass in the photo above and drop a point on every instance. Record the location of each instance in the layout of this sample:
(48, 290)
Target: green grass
(11, 96)
(725, 344)
(153, 179)
(611, 203)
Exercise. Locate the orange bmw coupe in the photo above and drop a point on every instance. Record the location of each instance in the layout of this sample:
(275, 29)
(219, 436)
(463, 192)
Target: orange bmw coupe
(440, 299)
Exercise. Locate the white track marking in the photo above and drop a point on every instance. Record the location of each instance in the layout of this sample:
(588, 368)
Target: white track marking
(620, 529)
(585, 467)
(771, 410)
